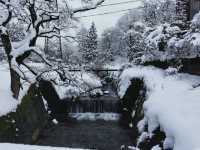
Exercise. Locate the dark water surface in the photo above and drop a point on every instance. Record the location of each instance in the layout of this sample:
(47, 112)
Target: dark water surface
(101, 135)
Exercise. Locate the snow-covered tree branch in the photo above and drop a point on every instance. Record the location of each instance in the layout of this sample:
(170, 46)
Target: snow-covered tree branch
(35, 15)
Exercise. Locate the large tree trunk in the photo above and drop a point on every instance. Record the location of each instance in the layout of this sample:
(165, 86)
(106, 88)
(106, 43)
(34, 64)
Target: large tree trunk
(15, 78)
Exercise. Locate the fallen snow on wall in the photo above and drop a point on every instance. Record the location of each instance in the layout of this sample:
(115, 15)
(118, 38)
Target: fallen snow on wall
(8, 146)
(172, 104)
(95, 116)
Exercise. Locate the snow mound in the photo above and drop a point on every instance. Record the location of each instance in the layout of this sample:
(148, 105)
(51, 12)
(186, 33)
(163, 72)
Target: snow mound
(172, 104)
(8, 146)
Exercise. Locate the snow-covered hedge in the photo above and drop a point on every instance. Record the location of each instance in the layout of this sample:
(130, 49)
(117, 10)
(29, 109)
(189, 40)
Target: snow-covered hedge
(189, 45)
(166, 41)
(157, 42)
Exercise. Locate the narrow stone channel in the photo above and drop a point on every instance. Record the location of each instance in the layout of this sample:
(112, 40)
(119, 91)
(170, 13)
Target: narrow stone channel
(98, 134)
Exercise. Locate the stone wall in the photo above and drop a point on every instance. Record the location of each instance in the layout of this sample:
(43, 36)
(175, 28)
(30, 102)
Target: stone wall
(132, 103)
(133, 113)
(25, 125)
(191, 66)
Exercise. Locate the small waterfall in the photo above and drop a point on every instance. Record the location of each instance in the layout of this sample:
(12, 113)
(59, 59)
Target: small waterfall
(94, 105)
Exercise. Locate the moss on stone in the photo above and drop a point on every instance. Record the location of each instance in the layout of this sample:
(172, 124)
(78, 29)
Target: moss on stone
(30, 116)
(7, 128)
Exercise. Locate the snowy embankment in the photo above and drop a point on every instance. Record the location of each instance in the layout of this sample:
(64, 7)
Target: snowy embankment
(8, 146)
(7, 102)
(173, 104)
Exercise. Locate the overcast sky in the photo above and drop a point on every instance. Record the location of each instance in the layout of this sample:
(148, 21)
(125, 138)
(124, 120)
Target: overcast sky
(109, 20)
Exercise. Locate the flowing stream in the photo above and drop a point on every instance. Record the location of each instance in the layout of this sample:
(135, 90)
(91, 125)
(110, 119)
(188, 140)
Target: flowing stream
(98, 127)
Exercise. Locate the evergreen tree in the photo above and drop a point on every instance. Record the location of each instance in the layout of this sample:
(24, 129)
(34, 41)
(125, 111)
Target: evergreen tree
(134, 42)
(82, 38)
(106, 46)
(91, 52)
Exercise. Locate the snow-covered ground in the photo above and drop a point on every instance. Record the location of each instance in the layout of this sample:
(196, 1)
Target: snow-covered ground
(173, 102)
(8, 146)
(7, 102)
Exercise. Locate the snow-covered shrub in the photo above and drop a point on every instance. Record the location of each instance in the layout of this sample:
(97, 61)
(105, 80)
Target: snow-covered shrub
(134, 39)
(189, 45)
(75, 84)
(171, 108)
(157, 42)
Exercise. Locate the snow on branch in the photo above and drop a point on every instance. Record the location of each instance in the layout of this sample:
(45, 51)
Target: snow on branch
(6, 18)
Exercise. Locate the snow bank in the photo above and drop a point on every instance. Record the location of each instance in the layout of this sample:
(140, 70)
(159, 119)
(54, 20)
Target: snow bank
(8, 146)
(172, 104)
(7, 102)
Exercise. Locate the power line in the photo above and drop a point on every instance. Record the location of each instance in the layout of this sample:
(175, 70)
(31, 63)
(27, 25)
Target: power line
(112, 4)
(107, 13)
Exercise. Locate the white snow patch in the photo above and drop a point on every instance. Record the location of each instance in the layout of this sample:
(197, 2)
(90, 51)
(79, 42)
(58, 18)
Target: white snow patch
(80, 83)
(7, 102)
(55, 121)
(95, 116)
(157, 147)
(8, 146)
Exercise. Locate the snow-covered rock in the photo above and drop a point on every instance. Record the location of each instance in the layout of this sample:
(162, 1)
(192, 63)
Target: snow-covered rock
(172, 104)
